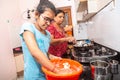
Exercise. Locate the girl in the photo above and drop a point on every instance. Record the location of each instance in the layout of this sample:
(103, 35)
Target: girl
(35, 42)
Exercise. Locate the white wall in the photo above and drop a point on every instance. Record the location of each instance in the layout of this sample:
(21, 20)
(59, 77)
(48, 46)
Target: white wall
(11, 12)
(82, 31)
(15, 13)
(106, 27)
(61, 3)
(7, 16)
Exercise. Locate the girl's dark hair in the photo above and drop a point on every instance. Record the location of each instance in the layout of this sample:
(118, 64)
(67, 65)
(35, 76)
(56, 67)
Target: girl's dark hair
(44, 4)
(59, 11)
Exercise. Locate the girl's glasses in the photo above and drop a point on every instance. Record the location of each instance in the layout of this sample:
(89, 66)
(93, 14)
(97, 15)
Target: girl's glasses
(47, 19)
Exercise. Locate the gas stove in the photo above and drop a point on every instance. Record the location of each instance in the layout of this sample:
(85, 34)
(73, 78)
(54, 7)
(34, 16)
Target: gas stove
(87, 51)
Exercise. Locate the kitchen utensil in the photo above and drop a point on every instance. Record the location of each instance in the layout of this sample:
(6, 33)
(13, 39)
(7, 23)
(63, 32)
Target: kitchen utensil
(114, 66)
(101, 70)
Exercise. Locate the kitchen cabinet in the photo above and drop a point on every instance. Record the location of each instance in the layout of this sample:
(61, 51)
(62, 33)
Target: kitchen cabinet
(19, 63)
(88, 8)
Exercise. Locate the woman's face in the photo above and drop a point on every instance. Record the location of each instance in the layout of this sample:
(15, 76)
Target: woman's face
(59, 18)
(45, 19)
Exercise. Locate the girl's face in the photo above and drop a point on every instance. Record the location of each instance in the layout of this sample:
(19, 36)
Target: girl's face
(59, 18)
(45, 19)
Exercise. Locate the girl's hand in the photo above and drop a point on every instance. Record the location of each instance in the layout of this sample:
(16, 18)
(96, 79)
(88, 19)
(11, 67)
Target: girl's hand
(56, 70)
(61, 71)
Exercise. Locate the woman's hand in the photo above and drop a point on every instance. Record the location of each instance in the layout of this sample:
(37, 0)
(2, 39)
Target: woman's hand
(71, 39)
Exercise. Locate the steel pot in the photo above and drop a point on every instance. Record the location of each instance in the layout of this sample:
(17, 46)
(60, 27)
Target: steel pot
(114, 66)
(101, 70)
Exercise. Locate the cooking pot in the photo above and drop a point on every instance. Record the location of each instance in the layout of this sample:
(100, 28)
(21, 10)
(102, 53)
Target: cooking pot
(83, 43)
(101, 70)
(114, 66)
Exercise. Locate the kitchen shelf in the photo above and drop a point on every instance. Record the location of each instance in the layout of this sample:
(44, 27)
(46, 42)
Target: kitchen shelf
(89, 8)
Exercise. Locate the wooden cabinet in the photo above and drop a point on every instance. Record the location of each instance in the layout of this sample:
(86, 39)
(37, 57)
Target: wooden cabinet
(19, 63)
(88, 8)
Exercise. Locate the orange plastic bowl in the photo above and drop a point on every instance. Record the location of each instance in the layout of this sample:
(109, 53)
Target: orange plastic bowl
(69, 76)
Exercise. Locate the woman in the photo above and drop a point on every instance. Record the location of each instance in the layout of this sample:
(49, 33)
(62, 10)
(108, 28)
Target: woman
(35, 42)
(59, 39)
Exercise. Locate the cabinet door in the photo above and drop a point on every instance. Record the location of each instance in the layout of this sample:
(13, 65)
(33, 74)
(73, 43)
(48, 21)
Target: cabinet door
(19, 62)
(88, 8)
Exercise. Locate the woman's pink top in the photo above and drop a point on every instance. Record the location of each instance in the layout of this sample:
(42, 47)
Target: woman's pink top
(60, 48)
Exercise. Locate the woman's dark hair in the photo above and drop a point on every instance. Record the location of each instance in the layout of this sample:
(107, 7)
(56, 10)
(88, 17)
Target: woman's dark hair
(44, 4)
(59, 11)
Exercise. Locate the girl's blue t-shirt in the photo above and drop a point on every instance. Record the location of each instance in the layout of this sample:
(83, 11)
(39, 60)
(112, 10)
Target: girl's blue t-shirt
(32, 69)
